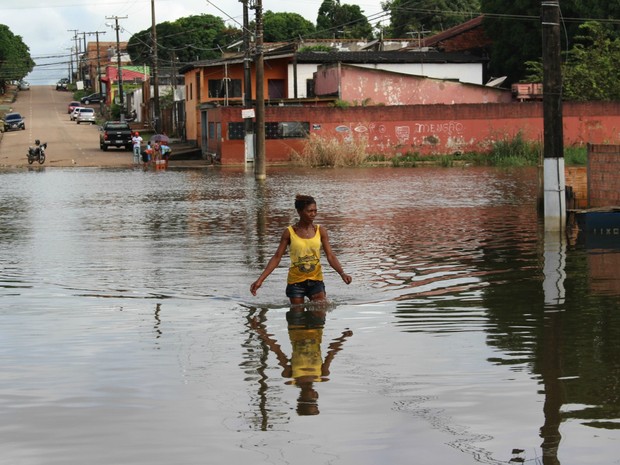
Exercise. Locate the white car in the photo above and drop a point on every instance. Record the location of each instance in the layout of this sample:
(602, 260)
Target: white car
(85, 115)
(74, 113)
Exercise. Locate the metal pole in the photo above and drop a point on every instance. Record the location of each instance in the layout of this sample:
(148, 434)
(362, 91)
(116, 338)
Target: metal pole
(259, 163)
(554, 177)
(247, 86)
(120, 70)
(75, 31)
(156, 111)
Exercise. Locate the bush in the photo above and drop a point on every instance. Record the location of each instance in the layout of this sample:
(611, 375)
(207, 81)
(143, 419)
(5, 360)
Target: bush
(576, 155)
(515, 152)
(333, 152)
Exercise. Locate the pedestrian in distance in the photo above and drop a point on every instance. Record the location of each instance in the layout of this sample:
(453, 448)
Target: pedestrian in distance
(304, 240)
(136, 141)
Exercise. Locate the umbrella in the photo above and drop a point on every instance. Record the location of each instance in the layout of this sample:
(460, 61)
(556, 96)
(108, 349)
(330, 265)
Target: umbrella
(161, 138)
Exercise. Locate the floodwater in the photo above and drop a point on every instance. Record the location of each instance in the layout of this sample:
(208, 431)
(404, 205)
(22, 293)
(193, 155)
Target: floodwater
(128, 334)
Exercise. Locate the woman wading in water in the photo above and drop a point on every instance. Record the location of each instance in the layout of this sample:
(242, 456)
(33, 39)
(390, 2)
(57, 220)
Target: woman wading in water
(304, 240)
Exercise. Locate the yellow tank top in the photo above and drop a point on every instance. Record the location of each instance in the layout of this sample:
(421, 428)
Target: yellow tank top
(305, 258)
(306, 360)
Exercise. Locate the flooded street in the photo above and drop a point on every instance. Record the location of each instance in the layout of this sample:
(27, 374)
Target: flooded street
(128, 334)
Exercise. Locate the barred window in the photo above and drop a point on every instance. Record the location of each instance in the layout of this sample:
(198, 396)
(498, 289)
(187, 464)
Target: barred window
(287, 130)
(236, 131)
(283, 130)
(222, 88)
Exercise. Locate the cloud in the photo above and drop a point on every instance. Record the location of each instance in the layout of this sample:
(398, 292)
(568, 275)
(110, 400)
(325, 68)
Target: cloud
(47, 26)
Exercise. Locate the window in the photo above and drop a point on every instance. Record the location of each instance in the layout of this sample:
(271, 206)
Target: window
(275, 88)
(236, 131)
(310, 88)
(224, 88)
(287, 130)
(284, 130)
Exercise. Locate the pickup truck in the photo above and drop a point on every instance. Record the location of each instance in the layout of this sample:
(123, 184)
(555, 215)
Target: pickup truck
(115, 134)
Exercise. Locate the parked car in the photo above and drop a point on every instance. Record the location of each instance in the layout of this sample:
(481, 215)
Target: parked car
(14, 121)
(74, 113)
(115, 134)
(23, 85)
(62, 84)
(92, 98)
(72, 106)
(85, 115)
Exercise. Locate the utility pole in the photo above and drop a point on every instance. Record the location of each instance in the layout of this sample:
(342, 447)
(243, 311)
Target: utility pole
(75, 39)
(247, 85)
(554, 177)
(156, 111)
(97, 81)
(120, 70)
(259, 162)
(70, 64)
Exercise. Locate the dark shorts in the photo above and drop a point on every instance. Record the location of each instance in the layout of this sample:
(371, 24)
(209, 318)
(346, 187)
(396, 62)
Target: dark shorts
(307, 288)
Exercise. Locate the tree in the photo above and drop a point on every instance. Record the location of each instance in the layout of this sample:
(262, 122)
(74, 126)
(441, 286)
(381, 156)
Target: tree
(515, 30)
(187, 39)
(285, 27)
(409, 16)
(342, 21)
(15, 60)
(590, 69)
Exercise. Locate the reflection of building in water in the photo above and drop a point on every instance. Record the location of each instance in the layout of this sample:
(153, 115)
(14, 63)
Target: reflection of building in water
(603, 272)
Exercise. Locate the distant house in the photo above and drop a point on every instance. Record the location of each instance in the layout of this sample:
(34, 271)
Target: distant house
(132, 76)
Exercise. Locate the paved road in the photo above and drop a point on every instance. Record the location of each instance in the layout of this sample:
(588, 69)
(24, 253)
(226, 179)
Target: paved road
(69, 144)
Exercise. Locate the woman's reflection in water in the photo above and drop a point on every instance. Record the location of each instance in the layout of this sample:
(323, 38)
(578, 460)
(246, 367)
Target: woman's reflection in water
(306, 365)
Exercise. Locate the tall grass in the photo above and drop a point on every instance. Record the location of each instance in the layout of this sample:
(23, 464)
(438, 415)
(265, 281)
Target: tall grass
(576, 155)
(515, 152)
(332, 152)
(321, 151)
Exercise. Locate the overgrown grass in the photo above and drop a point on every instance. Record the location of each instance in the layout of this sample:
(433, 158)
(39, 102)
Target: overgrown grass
(576, 155)
(333, 152)
(515, 152)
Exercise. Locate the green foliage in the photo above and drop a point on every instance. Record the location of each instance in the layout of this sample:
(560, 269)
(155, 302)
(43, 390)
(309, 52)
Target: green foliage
(515, 152)
(315, 48)
(15, 60)
(336, 20)
(340, 104)
(412, 16)
(590, 69)
(187, 39)
(167, 99)
(514, 28)
(576, 155)
(284, 27)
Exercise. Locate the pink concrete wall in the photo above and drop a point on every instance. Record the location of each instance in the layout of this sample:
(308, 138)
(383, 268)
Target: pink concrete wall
(429, 129)
(387, 88)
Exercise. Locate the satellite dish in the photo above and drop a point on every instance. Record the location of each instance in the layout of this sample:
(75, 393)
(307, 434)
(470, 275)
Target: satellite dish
(495, 82)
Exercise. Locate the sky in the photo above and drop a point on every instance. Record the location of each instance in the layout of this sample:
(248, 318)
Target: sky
(48, 27)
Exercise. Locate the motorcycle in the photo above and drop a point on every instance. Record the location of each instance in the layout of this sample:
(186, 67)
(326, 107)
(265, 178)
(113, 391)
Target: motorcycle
(37, 153)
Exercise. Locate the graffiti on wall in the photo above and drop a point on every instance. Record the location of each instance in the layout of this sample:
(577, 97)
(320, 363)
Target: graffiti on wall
(409, 136)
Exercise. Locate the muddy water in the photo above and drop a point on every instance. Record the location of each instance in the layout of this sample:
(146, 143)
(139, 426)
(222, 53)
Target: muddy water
(128, 334)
